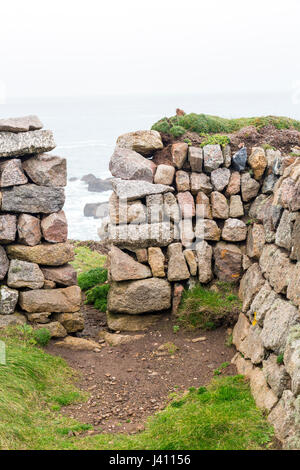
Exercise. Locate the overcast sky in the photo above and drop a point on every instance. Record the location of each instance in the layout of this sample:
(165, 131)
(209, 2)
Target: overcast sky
(70, 47)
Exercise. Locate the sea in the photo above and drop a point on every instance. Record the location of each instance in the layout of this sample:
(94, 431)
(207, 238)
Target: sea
(86, 129)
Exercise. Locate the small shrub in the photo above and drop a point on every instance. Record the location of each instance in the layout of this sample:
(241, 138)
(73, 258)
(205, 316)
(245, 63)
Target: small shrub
(42, 336)
(216, 139)
(177, 131)
(162, 126)
(92, 278)
(279, 359)
(176, 328)
(98, 296)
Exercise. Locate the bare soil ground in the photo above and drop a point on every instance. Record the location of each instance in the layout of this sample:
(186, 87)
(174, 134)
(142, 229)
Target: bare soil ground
(130, 382)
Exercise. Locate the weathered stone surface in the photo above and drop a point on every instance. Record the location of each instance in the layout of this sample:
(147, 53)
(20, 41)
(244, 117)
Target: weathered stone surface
(130, 165)
(72, 322)
(200, 182)
(12, 145)
(134, 189)
(13, 319)
(220, 208)
(179, 154)
(255, 240)
(282, 417)
(123, 322)
(8, 300)
(24, 274)
(42, 317)
(20, 124)
(285, 229)
(278, 321)
(266, 258)
(55, 227)
(258, 207)
(8, 228)
(155, 208)
(234, 230)
(244, 367)
(51, 255)
(186, 232)
(249, 187)
(204, 255)
(164, 174)
(33, 199)
(142, 236)
(135, 297)
(191, 260)
(52, 300)
(176, 297)
(295, 253)
(115, 339)
(141, 255)
(47, 170)
(64, 275)
(49, 284)
(177, 267)
(143, 142)
(4, 263)
(11, 173)
(275, 375)
(207, 229)
(227, 155)
(258, 162)
(29, 230)
(251, 283)
(263, 395)
(196, 158)
(277, 270)
(55, 328)
(240, 331)
(236, 208)
(186, 204)
(156, 260)
(239, 159)
(234, 184)
(228, 262)
(182, 181)
(126, 212)
(252, 347)
(220, 178)
(123, 267)
(246, 262)
(269, 184)
(293, 290)
(212, 157)
(271, 156)
(203, 208)
(292, 358)
(171, 208)
(262, 303)
(78, 344)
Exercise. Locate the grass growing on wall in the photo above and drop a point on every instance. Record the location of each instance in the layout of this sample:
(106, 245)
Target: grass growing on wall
(202, 307)
(87, 259)
(204, 124)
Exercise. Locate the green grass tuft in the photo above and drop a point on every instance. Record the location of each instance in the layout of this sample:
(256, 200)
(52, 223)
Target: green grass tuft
(98, 296)
(91, 278)
(87, 259)
(207, 124)
(216, 139)
(205, 308)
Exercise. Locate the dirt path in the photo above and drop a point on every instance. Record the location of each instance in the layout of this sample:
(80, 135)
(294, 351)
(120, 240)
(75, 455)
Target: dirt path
(130, 382)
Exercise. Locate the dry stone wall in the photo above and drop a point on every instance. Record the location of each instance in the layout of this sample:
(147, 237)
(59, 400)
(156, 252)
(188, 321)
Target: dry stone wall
(37, 283)
(204, 214)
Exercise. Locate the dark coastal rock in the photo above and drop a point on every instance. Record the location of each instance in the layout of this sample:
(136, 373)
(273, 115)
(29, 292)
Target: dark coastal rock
(20, 124)
(98, 185)
(47, 170)
(239, 160)
(25, 143)
(33, 199)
